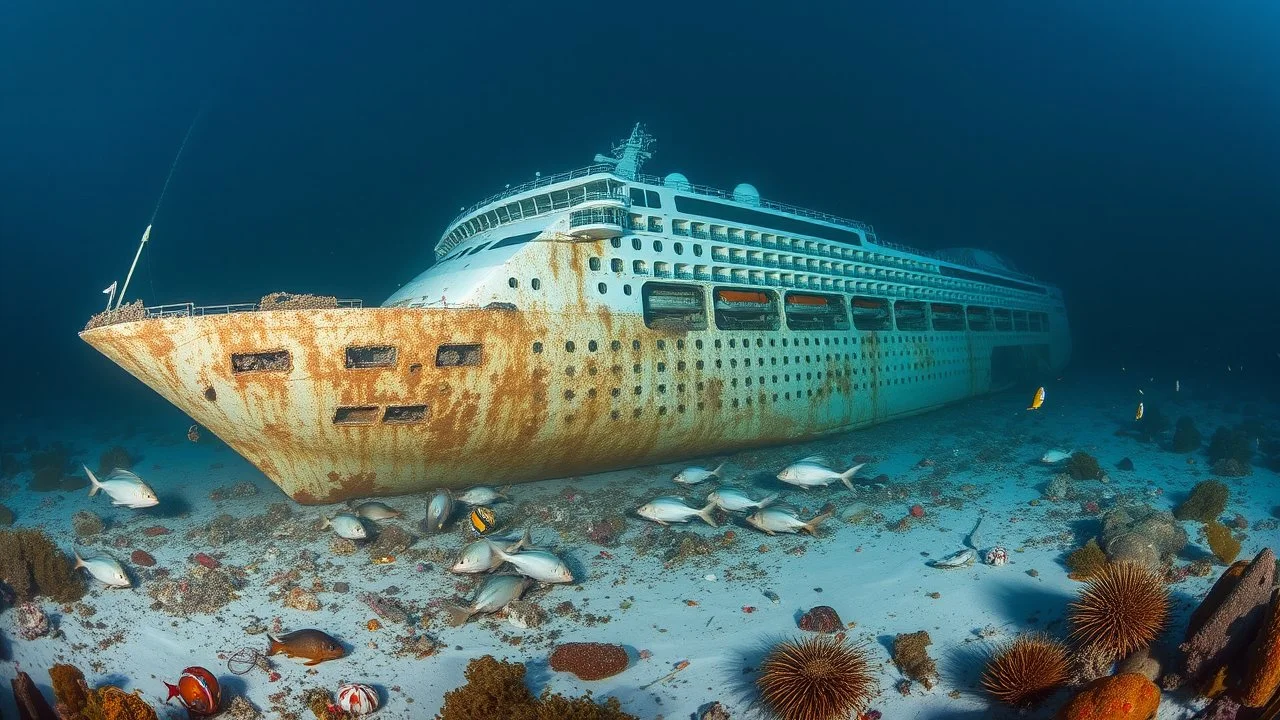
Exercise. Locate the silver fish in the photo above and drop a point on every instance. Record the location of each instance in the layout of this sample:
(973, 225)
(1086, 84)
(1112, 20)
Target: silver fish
(1052, 457)
(346, 525)
(665, 510)
(777, 520)
(494, 594)
(962, 558)
(695, 475)
(478, 557)
(104, 569)
(481, 495)
(374, 510)
(438, 511)
(810, 472)
(540, 565)
(734, 500)
(124, 488)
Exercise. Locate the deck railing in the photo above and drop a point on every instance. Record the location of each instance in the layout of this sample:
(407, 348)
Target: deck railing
(193, 310)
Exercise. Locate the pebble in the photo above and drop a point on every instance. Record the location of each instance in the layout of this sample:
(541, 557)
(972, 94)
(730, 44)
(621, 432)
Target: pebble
(709, 577)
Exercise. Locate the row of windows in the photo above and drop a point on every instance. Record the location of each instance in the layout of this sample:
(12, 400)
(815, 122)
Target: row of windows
(681, 306)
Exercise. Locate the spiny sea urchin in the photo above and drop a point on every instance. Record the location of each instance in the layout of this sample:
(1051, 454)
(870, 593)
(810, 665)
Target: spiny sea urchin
(1122, 608)
(816, 678)
(1027, 670)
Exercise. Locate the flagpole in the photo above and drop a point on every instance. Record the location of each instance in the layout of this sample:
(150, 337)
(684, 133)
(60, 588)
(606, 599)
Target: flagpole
(112, 291)
(145, 235)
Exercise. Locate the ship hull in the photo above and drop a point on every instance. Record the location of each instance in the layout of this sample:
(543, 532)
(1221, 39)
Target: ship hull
(496, 396)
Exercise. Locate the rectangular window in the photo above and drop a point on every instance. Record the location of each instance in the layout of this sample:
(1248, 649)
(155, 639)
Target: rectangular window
(947, 271)
(458, 355)
(979, 318)
(371, 356)
(746, 309)
(674, 306)
(910, 315)
(268, 361)
(808, 311)
(1003, 319)
(759, 218)
(871, 313)
(637, 197)
(1019, 320)
(653, 201)
(404, 414)
(947, 316)
(362, 415)
(516, 240)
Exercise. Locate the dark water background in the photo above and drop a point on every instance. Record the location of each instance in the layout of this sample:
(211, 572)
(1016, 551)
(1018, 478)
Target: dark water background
(1129, 154)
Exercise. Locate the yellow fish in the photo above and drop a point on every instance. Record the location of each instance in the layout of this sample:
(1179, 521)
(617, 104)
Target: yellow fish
(1038, 399)
(1138, 415)
(482, 519)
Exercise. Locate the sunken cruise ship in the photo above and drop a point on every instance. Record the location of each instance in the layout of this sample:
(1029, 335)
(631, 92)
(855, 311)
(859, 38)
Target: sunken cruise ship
(592, 320)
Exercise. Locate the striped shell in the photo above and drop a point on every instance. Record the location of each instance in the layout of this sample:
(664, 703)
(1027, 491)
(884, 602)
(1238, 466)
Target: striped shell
(357, 699)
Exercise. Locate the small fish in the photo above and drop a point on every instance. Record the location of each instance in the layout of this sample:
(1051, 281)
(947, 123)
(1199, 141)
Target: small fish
(540, 565)
(962, 558)
(695, 475)
(1055, 456)
(1177, 386)
(1138, 415)
(482, 519)
(438, 511)
(494, 594)
(124, 488)
(481, 495)
(669, 509)
(1140, 392)
(374, 510)
(1038, 399)
(777, 520)
(734, 500)
(314, 645)
(810, 472)
(478, 556)
(104, 569)
(346, 525)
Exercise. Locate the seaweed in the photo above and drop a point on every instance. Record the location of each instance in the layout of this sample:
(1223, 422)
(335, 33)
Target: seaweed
(1085, 562)
(1083, 466)
(1231, 443)
(1186, 438)
(31, 565)
(1205, 503)
(496, 688)
(911, 657)
(1224, 546)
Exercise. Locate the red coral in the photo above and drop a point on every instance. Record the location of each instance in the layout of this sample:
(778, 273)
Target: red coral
(155, 530)
(821, 619)
(143, 558)
(206, 560)
(589, 661)
(917, 511)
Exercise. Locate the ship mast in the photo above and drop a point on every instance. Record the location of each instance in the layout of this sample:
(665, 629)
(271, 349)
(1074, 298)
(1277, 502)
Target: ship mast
(630, 154)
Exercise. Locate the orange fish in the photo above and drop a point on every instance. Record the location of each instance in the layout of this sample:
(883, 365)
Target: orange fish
(1038, 399)
(314, 645)
(1138, 414)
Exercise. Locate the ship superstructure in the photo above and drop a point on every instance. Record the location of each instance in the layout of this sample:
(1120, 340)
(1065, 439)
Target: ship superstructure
(597, 319)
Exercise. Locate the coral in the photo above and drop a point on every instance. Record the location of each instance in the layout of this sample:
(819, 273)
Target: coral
(1027, 671)
(116, 704)
(1086, 561)
(1231, 467)
(31, 621)
(1205, 503)
(912, 659)
(1121, 609)
(296, 301)
(86, 523)
(31, 565)
(1262, 678)
(1058, 488)
(241, 709)
(143, 558)
(1186, 438)
(321, 704)
(525, 614)
(607, 530)
(116, 457)
(1119, 697)
(821, 619)
(1222, 627)
(129, 312)
(391, 540)
(589, 661)
(1235, 443)
(815, 678)
(71, 692)
(713, 711)
(1090, 663)
(1083, 466)
(299, 599)
(203, 590)
(1224, 547)
(496, 689)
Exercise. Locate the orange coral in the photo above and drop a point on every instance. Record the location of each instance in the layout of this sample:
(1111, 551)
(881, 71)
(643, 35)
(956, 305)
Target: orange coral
(1263, 678)
(589, 661)
(1128, 696)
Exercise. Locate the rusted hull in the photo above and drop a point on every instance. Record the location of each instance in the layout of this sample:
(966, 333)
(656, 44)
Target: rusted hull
(552, 394)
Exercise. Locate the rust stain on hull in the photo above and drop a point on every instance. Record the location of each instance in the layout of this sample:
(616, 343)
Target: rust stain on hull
(554, 394)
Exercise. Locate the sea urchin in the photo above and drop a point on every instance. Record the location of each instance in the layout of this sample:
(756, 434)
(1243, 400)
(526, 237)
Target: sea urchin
(1027, 670)
(816, 678)
(1122, 608)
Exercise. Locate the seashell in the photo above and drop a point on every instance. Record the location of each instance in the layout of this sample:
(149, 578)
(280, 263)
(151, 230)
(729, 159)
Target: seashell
(996, 556)
(357, 699)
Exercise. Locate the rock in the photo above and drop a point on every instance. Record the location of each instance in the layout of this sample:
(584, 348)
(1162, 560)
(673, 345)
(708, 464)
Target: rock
(713, 711)
(1221, 628)
(31, 704)
(525, 614)
(143, 558)
(300, 599)
(341, 587)
(589, 661)
(1118, 697)
(341, 546)
(1141, 663)
(1142, 534)
(1134, 548)
(821, 619)
(31, 621)
(1222, 708)
(391, 540)
(1125, 464)
(86, 523)
(1263, 676)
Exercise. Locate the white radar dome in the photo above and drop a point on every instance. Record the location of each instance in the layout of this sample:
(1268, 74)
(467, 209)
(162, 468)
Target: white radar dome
(677, 181)
(747, 194)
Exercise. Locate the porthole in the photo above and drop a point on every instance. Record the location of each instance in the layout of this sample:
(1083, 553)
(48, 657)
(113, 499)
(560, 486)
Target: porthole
(603, 288)
(662, 367)
(637, 390)
(512, 282)
(568, 394)
(636, 368)
(593, 263)
(626, 289)
(615, 392)
(569, 371)
(657, 246)
(613, 415)
(678, 248)
(591, 393)
(615, 346)
(591, 346)
(616, 242)
(537, 347)
(568, 346)
(536, 284)
(662, 344)
(697, 344)
(635, 344)
(635, 243)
